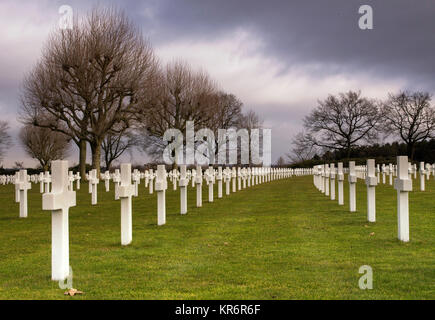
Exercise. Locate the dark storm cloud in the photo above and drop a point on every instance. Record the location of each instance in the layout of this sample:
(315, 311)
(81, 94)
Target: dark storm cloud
(402, 42)
(320, 37)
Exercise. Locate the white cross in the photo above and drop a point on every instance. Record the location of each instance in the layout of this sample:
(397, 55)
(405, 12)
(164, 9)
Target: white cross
(152, 176)
(147, 177)
(78, 178)
(192, 176)
(403, 185)
(126, 191)
(234, 176)
(209, 175)
(340, 177)
(227, 177)
(219, 180)
(352, 186)
(174, 179)
(59, 201)
(198, 181)
(107, 180)
(93, 182)
(23, 186)
(17, 189)
(136, 181)
(371, 182)
(47, 181)
(117, 180)
(183, 189)
(161, 186)
(70, 180)
(422, 173)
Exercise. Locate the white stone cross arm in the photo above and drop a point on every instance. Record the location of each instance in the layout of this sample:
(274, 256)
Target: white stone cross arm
(161, 176)
(126, 189)
(23, 183)
(59, 198)
(183, 176)
(402, 182)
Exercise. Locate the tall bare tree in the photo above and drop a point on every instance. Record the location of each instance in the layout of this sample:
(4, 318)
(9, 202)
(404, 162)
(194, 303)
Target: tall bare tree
(116, 144)
(90, 78)
(281, 162)
(5, 138)
(179, 94)
(410, 116)
(44, 145)
(342, 122)
(302, 148)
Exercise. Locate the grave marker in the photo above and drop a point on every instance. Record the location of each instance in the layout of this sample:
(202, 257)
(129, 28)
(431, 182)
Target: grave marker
(93, 183)
(23, 186)
(125, 192)
(234, 177)
(403, 185)
(117, 181)
(422, 173)
(59, 201)
(352, 186)
(198, 181)
(219, 180)
(161, 186)
(183, 189)
(332, 175)
(152, 176)
(78, 178)
(107, 180)
(340, 177)
(209, 176)
(371, 182)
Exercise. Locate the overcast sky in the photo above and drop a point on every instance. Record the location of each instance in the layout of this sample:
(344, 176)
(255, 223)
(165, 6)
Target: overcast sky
(278, 57)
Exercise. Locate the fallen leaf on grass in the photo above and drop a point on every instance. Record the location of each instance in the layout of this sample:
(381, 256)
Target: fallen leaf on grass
(72, 292)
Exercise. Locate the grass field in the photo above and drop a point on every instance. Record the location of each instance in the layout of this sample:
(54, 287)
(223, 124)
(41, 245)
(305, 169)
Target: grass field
(279, 240)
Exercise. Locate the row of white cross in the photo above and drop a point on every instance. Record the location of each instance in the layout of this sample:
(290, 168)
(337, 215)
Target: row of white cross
(325, 175)
(61, 196)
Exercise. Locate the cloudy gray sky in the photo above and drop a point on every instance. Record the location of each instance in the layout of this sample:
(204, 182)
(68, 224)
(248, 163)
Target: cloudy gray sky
(278, 57)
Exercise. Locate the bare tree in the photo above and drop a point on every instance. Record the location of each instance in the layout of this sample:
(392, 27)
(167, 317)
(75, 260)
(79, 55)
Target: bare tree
(280, 162)
(5, 138)
(115, 144)
(90, 78)
(342, 122)
(44, 145)
(179, 95)
(409, 116)
(18, 165)
(302, 148)
(250, 120)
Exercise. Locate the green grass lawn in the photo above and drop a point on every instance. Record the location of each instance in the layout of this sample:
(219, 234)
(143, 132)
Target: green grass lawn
(279, 240)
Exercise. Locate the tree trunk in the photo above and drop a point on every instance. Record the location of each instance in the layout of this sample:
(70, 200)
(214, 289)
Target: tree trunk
(348, 153)
(82, 158)
(96, 156)
(44, 166)
(410, 150)
(108, 164)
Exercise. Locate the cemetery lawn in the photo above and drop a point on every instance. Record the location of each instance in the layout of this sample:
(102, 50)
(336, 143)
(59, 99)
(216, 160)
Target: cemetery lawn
(278, 240)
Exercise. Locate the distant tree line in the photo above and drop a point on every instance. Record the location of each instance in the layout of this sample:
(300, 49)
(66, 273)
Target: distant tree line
(349, 125)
